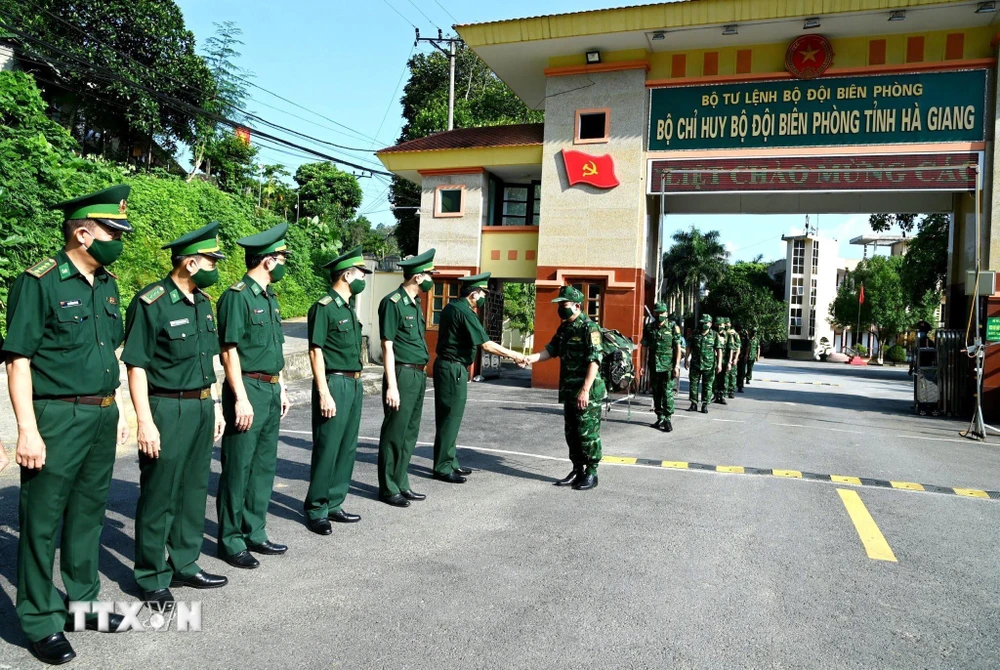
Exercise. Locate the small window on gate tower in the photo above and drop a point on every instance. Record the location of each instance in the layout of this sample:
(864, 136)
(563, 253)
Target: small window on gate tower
(592, 126)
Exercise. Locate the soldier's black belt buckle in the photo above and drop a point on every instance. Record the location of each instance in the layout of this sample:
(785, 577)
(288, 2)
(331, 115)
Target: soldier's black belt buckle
(108, 401)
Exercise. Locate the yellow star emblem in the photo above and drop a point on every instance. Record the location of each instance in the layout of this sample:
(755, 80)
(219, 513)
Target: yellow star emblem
(809, 55)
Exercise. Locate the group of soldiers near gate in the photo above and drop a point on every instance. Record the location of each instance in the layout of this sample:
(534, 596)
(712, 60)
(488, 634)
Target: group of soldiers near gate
(719, 362)
(65, 327)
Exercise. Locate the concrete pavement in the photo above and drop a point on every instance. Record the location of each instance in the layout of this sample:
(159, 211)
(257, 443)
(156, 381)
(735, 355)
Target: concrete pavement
(658, 567)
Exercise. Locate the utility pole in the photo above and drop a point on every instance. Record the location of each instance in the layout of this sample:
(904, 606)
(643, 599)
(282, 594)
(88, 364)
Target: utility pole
(451, 53)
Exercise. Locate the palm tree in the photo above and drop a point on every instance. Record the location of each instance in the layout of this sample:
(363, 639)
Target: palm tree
(693, 258)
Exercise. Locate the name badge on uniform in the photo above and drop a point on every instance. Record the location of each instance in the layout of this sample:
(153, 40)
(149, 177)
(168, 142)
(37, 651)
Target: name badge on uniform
(258, 311)
(69, 303)
(180, 322)
(342, 321)
(410, 317)
(112, 300)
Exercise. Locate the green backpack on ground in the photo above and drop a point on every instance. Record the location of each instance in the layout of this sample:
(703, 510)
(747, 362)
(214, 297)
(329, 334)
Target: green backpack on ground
(617, 368)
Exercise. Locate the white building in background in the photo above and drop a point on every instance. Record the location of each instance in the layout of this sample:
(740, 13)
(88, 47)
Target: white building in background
(811, 264)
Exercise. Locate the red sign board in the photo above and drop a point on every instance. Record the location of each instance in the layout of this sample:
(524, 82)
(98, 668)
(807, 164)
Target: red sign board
(809, 56)
(885, 172)
(581, 168)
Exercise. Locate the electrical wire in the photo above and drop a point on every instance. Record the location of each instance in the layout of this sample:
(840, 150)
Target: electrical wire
(400, 13)
(445, 11)
(424, 15)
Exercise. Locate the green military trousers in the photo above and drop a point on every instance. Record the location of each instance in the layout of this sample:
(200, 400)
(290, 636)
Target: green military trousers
(399, 431)
(173, 489)
(583, 435)
(731, 378)
(745, 373)
(248, 463)
(719, 383)
(663, 394)
(335, 444)
(72, 487)
(706, 378)
(451, 381)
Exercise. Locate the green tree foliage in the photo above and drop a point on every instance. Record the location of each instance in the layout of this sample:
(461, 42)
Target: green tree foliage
(519, 306)
(230, 162)
(381, 242)
(481, 99)
(747, 295)
(896, 353)
(926, 260)
(90, 46)
(693, 258)
(327, 192)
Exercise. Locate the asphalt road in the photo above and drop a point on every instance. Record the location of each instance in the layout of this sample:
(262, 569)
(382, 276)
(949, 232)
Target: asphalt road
(679, 567)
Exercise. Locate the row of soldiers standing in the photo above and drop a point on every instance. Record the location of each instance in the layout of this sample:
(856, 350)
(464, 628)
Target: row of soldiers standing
(719, 362)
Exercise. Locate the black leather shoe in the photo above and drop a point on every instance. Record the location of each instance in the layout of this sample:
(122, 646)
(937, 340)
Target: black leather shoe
(465, 472)
(320, 526)
(413, 495)
(268, 548)
(451, 478)
(54, 649)
(704, 408)
(732, 395)
(396, 501)
(241, 560)
(747, 382)
(693, 407)
(114, 623)
(586, 483)
(160, 600)
(658, 423)
(739, 390)
(667, 427)
(570, 479)
(340, 516)
(201, 580)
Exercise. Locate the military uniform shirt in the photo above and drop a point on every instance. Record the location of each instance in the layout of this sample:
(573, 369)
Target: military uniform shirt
(732, 341)
(577, 344)
(661, 338)
(68, 328)
(753, 347)
(460, 333)
(335, 328)
(703, 348)
(172, 338)
(249, 317)
(401, 321)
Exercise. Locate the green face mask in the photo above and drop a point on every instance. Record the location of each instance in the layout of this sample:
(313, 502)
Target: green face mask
(480, 301)
(705, 327)
(426, 285)
(205, 278)
(278, 272)
(357, 286)
(565, 312)
(662, 318)
(105, 252)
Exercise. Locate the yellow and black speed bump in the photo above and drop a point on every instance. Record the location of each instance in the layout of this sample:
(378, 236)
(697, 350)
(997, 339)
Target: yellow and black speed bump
(812, 476)
(792, 381)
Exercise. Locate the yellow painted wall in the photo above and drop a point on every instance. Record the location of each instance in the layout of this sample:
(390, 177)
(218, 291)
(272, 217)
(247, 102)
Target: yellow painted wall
(505, 242)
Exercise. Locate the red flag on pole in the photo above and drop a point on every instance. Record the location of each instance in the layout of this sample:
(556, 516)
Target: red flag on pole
(243, 134)
(861, 295)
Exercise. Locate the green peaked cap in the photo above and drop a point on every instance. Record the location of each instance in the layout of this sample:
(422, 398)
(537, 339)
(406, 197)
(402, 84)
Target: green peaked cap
(476, 281)
(415, 265)
(204, 241)
(706, 318)
(107, 207)
(265, 242)
(353, 258)
(660, 308)
(569, 294)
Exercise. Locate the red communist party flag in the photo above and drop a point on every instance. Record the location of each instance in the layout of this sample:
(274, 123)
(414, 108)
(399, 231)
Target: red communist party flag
(861, 295)
(582, 168)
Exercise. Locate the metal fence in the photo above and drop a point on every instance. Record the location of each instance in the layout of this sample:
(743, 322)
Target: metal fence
(953, 365)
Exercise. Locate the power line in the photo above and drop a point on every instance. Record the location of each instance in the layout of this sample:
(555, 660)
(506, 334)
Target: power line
(406, 67)
(422, 14)
(399, 12)
(445, 11)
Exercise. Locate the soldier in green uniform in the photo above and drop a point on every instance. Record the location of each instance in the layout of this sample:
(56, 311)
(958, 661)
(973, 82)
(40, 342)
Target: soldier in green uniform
(335, 354)
(404, 359)
(64, 324)
(722, 333)
(171, 341)
(253, 399)
(732, 354)
(749, 354)
(577, 345)
(706, 350)
(663, 338)
(460, 334)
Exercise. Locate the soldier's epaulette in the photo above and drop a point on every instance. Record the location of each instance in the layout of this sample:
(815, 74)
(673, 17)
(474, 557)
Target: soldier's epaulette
(153, 294)
(111, 274)
(42, 268)
(325, 300)
(395, 297)
(238, 286)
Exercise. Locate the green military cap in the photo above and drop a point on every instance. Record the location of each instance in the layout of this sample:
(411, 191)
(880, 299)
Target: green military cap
(351, 259)
(266, 242)
(107, 207)
(706, 318)
(418, 264)
(476, 281)
(569, 294)
(204, 242)
(660, 307)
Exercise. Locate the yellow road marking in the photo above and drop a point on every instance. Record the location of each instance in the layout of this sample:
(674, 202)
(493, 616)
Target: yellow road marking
(841, 479)
(735, 469)
(972, 493)
(618, 459)
(871, 537)
(787, 473)
(675, 464)
(909, 486)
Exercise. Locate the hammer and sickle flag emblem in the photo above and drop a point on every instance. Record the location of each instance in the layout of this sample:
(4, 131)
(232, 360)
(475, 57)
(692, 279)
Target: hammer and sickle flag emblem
(581, 168)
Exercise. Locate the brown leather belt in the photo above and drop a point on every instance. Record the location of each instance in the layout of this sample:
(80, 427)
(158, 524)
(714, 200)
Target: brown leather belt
(266, 378)
(102, 400)
(343, 373)
(184, 395)
(411, 365)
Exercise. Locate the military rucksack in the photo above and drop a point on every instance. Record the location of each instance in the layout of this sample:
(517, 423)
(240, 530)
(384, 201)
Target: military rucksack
(617, 368)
